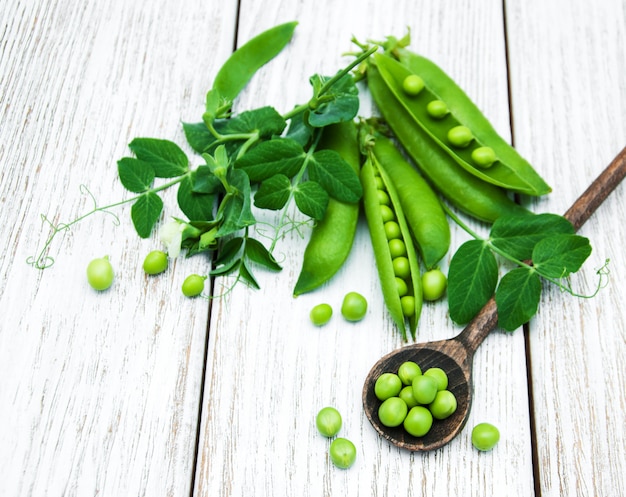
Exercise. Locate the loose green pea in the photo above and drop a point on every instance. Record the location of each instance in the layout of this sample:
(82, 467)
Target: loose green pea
(484, 156)
(387, 385)
(386, 213)
(437, 109)
(342, 453)
(383, 197)
(321, 314)
(418, 421)
(434, 284)
(406, 394)
(408, 371)
(354, 306)
(100, 273)
(413, 85)
(444, 405)
(155, 262)
(424, 389)
(439, 375)
(401, 267)
(408, 305)
(397, 247)
(392, 230)
(460, 136)
(328, 421)
(403, 288)
(392, 412)
(193, 285)
(485, 436)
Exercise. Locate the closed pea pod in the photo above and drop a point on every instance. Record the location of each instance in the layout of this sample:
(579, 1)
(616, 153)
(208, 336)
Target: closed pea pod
(332, 237)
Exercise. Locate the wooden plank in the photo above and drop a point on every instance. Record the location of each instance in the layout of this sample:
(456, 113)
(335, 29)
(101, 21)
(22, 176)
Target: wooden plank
(269, 371)
(100, 392)
(567, 67)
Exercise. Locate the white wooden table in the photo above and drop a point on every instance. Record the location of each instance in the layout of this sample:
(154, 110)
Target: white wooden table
(140, 391)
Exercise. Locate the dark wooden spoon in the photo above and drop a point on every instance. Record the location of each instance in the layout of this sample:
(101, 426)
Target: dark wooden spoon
(455, 355)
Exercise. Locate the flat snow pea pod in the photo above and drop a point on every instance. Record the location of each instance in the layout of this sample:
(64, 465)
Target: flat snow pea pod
(422, 208)
(510, 167)
(332, 237)
(481, 200)
(382, 253)
(244, 62)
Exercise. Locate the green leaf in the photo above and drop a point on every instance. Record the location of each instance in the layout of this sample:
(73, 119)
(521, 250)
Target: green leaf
(135, 175)
(266, 121)
(198, 136)
(472, 279)
(311, 199)
(196, 206)
(299, 130)
(335, 175)
(237, 212)
(339, 103)
(518, 235)
(560, 255)
(273, 193)
(517, 298)
(145, 213)
(279, 156)
(226, 268)
(246, 274)
(257, 252)
(206, 182)
(229, 250)
(166, 158)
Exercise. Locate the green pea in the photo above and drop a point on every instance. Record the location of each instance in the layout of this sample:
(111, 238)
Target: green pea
(408, 305)
(437, 109)
(403, 288)
(386, 213)
(418, 421)
(401, 267)
(397, 247)
(408, 371)
(321, 314)
(485, 436)
(444, 405)
(460, 136)
(392, 412)
(342, 453)
(100, 273)
(424, 389)
(413, 85)
(439, 375)
(383, 197)
(354, 306)
(392, 230)
(387, 385)
(434, 284)
(406, 394)
(155, 262)
(380, 184)
(328, 421)
(193, 285)
(484, 156)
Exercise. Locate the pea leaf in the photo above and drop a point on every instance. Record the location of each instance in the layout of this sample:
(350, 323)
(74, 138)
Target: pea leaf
(246, 274)
(135, 175)
(517, 297)
(202, 140)
(311, 199)
(560, 255)
(273, 193)
(335, 175)
(279, 156)
(266, 121)
(145, 213)
(206, 182)
(229, 251)
(299, 130)
(340, 103)
(257, 252)
(237, 212)
(196, 206)
(518, 235)
(472, 279)
(166, 158)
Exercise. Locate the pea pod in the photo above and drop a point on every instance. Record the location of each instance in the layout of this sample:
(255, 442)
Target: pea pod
(422, 208)
(332, 237)
(406, 304)
(481, 200)
(455, 124)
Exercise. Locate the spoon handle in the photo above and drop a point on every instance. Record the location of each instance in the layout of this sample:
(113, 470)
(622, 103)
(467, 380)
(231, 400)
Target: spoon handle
(580, 211)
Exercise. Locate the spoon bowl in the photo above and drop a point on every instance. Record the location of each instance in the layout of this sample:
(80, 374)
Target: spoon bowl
(455, 355)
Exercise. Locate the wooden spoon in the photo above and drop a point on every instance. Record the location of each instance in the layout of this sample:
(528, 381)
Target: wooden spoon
(455, 355)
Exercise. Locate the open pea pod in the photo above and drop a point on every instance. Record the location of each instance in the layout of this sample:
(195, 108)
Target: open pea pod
(456, 125)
